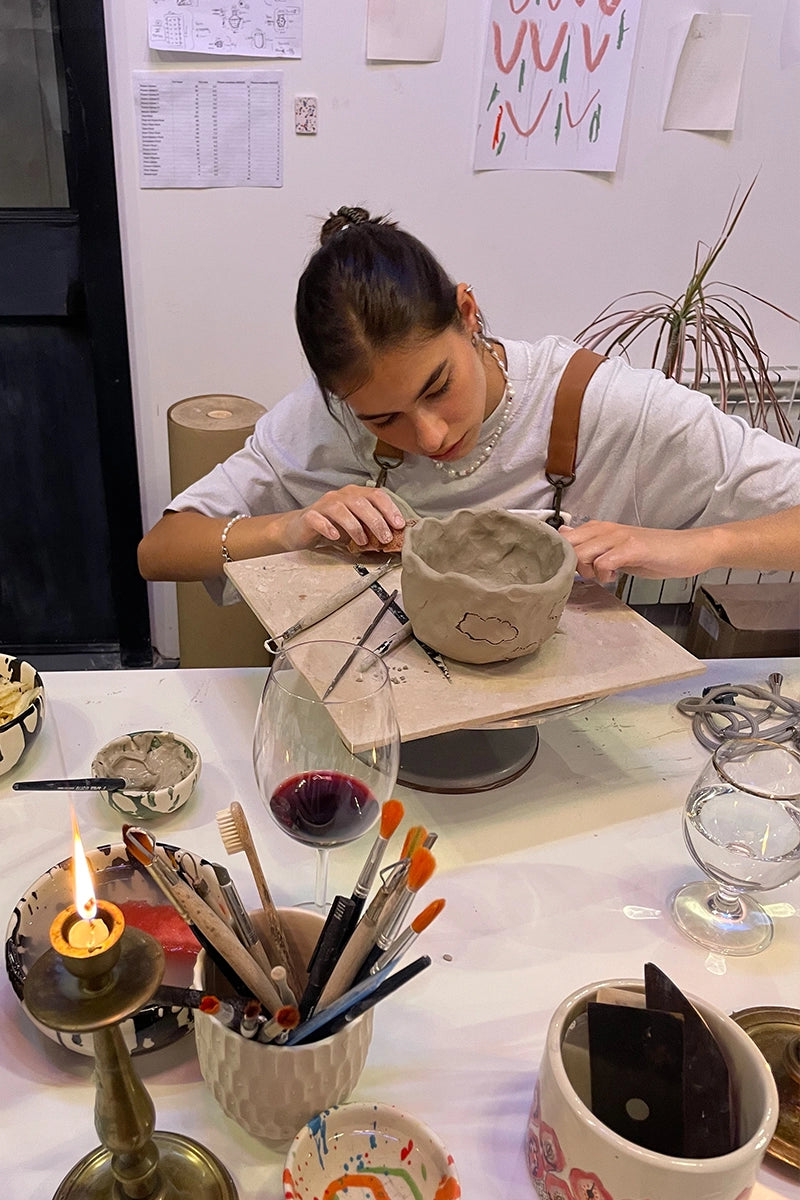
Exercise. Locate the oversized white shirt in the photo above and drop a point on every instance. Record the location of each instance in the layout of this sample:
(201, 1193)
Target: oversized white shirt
(650, 452)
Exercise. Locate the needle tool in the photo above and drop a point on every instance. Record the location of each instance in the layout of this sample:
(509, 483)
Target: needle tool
(370, 629)
(236, 837)
(141, 845)
(329, 606)
(409, 935)
(376, 919)
(240, 919)
(402, 615)
(355, 1001)
(97, 783)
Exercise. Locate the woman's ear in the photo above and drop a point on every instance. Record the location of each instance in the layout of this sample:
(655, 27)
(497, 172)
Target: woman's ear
(467, 307)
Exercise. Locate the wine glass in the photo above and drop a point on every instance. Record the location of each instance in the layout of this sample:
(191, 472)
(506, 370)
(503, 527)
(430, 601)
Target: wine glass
(326, 753)
(741, 823)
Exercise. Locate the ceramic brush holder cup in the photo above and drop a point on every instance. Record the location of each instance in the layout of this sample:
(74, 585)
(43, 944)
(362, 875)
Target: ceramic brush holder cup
(273, 1090)
(485, 585)
(570, 1152)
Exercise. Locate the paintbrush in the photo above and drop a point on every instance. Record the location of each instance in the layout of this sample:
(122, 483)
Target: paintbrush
(355, 1001)
(229, 1012)
(240, 919)
(344, 912)
(141, 845)
(236, 837)
(401, 943)
(377, 917)
(97, 783)
(395, 910)
(285, 1018)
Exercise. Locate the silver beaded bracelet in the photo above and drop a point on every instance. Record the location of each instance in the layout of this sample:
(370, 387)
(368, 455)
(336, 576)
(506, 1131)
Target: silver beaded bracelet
(239, 517)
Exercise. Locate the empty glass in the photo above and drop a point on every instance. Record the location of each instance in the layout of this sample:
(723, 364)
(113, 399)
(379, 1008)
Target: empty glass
(741, 824)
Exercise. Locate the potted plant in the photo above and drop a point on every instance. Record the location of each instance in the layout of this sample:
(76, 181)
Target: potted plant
(706, 331)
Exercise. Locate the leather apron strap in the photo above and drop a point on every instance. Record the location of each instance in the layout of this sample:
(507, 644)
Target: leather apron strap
(386, 457)
(562, 447)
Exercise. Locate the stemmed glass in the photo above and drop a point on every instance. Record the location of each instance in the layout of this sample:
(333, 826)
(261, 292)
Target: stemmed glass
(325, 764)
(741, 824)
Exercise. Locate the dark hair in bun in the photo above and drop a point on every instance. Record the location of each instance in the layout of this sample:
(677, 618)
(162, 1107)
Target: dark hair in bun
(368, 288)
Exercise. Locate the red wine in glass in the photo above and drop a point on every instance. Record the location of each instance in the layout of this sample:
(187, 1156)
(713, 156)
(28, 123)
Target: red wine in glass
(323, 808)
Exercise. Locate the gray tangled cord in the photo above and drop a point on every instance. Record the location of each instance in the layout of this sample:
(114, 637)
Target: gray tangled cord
(719, 714)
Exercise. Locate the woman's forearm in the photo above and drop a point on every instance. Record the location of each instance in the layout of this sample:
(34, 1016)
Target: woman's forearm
(186, 546)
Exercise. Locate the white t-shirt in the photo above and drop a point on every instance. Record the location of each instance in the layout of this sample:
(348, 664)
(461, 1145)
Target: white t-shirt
(650, 452)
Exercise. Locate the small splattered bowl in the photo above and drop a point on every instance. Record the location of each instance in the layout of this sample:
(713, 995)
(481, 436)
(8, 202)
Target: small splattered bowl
(369, 1149)
(161, 769)
(143, 905)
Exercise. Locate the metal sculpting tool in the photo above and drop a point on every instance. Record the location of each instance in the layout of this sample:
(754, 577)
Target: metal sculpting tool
(359, 644)
(329, 606)
(403, 617)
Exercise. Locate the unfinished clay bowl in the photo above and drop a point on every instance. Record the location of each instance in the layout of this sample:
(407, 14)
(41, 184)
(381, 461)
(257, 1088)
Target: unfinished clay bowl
(484, 585)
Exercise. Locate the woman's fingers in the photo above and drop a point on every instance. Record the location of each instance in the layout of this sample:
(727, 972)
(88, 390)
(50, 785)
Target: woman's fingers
(355, 512)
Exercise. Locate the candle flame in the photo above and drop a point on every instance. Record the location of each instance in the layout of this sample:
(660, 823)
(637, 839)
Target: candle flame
(81, 876)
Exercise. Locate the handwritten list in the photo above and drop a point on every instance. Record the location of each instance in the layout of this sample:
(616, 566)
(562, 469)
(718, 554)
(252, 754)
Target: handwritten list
(200, 129)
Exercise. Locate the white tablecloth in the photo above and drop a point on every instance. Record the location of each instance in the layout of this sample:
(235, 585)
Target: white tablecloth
(555, 880)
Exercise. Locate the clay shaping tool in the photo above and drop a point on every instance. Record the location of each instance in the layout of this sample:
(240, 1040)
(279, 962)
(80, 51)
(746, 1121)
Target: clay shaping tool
(329, 606)
(403, 617)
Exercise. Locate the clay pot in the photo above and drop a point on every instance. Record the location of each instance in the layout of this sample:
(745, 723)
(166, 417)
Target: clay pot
(484, 585)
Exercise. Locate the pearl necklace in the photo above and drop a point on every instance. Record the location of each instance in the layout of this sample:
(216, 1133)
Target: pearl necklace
(506, 402)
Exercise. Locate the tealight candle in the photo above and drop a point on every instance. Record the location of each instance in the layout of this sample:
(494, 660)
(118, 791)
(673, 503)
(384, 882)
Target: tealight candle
(87, 935)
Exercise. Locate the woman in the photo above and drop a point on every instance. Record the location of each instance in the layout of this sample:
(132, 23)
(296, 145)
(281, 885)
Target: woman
(666, 485)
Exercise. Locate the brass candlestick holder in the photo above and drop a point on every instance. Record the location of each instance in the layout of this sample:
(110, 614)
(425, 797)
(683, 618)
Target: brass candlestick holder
(97, 974)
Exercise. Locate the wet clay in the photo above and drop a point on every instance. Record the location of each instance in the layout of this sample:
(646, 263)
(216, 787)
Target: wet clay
(146, 761)
(483, 586)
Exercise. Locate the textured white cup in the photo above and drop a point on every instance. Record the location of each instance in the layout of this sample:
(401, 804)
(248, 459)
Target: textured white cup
(272, 1090)
(568, 1147)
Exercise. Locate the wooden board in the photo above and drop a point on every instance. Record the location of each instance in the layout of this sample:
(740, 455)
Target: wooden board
(601, 646)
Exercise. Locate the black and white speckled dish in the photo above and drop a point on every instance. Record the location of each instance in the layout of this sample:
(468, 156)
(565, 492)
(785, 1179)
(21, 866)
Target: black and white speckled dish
(27, 937)
(20, 733)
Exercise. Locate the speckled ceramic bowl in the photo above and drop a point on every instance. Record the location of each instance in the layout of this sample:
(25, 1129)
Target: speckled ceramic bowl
(123, 883)
(369, 1150)
(163, 769)
(21, 731)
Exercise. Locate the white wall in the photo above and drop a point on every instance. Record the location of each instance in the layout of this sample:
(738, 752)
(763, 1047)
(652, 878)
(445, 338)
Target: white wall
(210, 274)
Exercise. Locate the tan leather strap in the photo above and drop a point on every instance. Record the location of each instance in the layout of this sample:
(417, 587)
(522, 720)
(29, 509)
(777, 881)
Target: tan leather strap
(562, 447)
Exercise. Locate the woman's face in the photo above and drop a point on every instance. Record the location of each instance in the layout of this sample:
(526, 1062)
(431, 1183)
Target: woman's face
(430, 397)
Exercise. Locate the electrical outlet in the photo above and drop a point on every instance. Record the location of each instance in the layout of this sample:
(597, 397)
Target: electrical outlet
(305, 114)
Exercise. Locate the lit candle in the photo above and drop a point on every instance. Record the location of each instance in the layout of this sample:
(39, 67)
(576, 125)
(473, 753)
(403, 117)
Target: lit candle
(89, 932)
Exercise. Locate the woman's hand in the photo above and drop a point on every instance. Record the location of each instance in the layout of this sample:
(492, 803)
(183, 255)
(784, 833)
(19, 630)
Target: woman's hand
(350, 512)
(604, 548)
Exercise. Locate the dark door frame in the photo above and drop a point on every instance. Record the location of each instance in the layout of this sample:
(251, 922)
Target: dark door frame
(93, 193)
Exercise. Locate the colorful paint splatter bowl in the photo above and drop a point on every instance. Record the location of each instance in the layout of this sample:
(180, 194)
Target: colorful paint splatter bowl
(162, 770)
(22, 709)
(368, 1152)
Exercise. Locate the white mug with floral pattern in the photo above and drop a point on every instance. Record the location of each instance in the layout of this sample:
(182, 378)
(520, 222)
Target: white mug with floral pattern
(573, 1156)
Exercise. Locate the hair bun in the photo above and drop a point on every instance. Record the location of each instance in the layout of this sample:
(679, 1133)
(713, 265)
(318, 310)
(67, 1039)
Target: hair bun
(339, 220)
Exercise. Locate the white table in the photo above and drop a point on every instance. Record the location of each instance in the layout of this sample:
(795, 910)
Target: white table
(555, 880)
